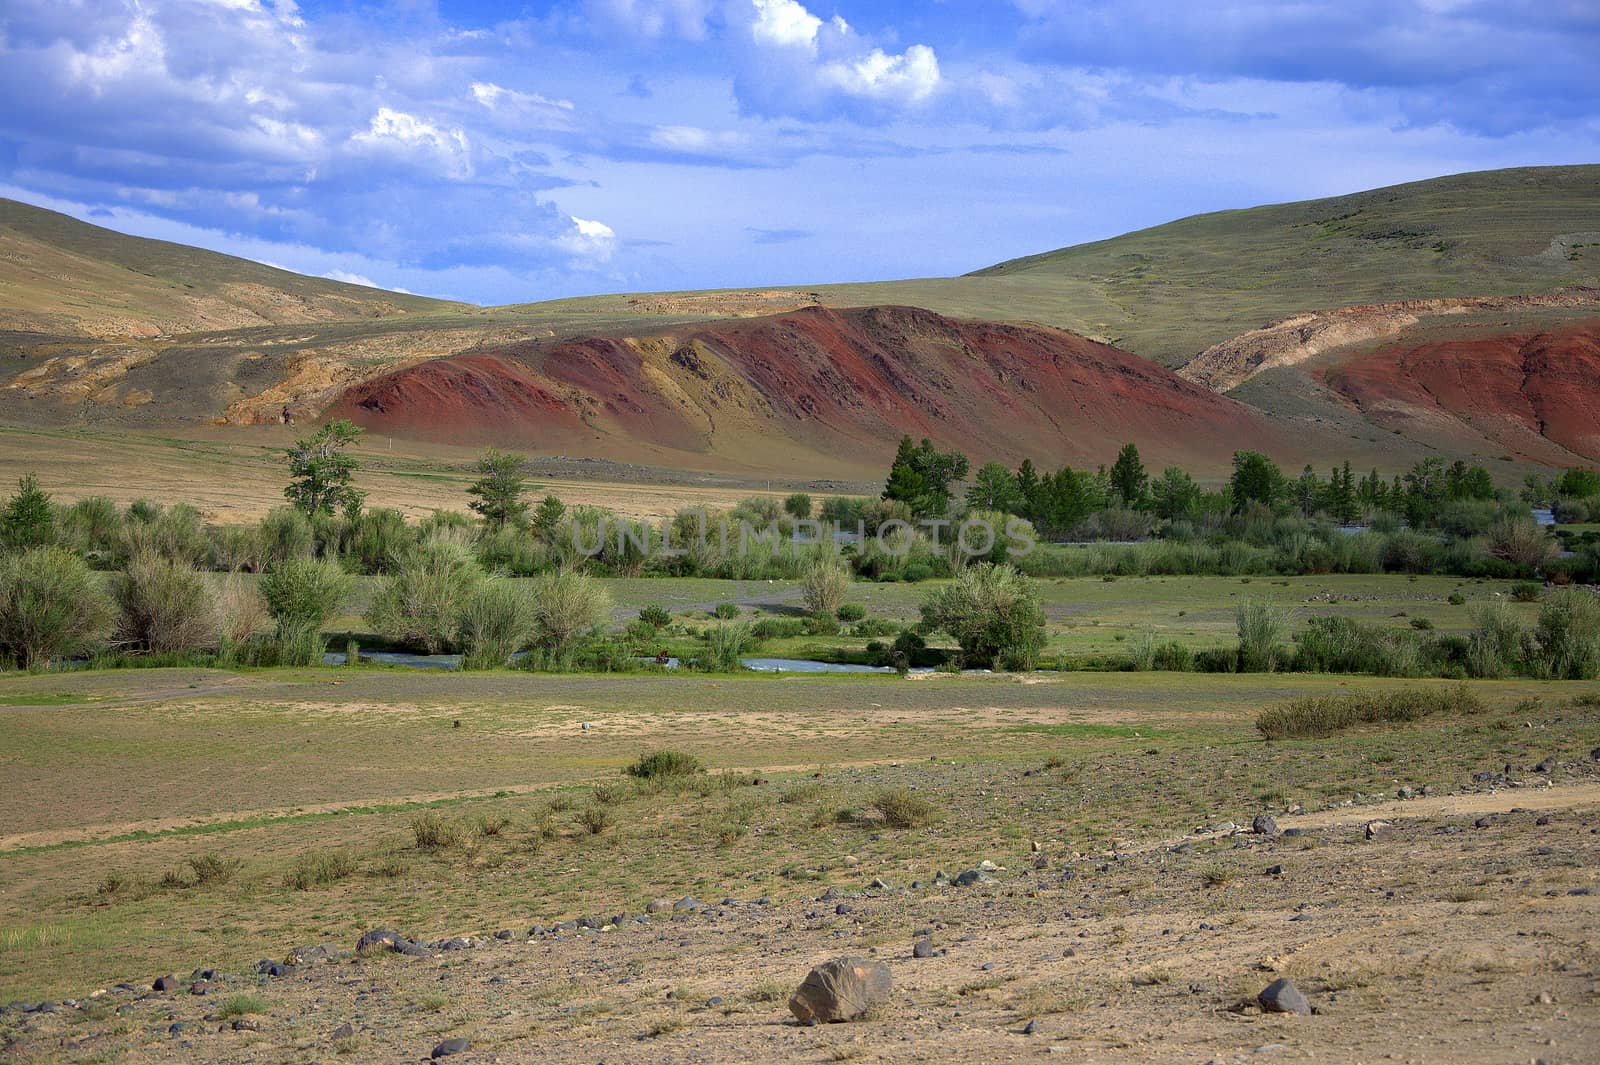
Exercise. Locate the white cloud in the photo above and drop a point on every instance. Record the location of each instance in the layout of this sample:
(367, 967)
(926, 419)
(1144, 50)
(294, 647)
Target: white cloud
(351, 279)
(786, 23)
(589, 239)
(910, 78)
(695, 140)
(685, 19)
(391, 129)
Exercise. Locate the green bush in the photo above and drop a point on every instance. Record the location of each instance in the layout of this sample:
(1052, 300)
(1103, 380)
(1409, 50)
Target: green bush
(1495, 643)
(92, 527)
(302, 595)
(902, 808)
(376, 539)
(432, 832)
(655, 616)
(1325, 715)
(422, 599)
(823, 586)
(166, 606)
(993, 612)
(567, 606)
(1566, 637)
(177, 533)
(211, 869)
(285, 533)
(665, 764)
(496, 622)
(28, 519)
(1261, 628)
(726, 646)
(727, 611)
(1526, 591)
(778, 628)
(850, 612)
(51, 606)
(318, 868)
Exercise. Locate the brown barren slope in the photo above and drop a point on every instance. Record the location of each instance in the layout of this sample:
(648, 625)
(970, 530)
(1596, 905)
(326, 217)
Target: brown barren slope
(830, 382)
(1535, 394)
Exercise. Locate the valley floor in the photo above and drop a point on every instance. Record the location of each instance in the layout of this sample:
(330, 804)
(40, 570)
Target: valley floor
(162, 821)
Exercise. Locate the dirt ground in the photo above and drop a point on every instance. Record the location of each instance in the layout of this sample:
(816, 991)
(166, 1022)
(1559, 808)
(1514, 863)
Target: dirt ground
(1122, 956)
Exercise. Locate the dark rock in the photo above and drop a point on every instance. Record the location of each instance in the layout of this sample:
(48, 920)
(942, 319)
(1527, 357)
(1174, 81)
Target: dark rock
(1542, 767)
(1275, 870)
(922, 948)
(841, 990)
(968, 877)
(1264, 825)
(202, 987)
(1290, 833)
(1378, 829)
(844, 908)
(449, 1047)
(246, 1024)
(1281, 996)
(455, 943)
(658, 906)
(176, 1028)
(1483, 822)
(344, 1031)
(203, 974)
(1542, 821)
(689, 904)
(312, 955)
(165, 983)
(1030, 1028)
(505, 934)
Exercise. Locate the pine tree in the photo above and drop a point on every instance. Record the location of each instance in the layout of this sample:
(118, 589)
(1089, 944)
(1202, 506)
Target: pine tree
(497, 493)
(29, 519)
(1128, 477)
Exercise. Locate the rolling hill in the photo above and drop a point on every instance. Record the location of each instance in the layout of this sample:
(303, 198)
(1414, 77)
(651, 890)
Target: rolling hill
(1059, 356)
(64, 277)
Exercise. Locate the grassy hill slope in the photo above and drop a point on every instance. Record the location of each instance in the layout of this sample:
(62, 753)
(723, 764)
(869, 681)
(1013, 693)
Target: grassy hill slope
(67, 277)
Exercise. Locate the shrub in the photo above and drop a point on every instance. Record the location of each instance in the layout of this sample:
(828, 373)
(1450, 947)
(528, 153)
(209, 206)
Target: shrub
(664, 764)
(596, 819)
(422, 600)
(566, 606)
(166, 606)
(798, 505)
(1526, 591)
(850, 612)
(51, 606)
(319, 868)
(1495, 642)
(1567, 637)
(302, 594)
(726, 646)
(1457, 599)
(823, 586)
(177, 533)
(496, 622)
(902, 808)
(28, 519)
(211, 869)
(1520, 541)
(377, 538)
(92, 527)
(778, 628)
(241, 612)
(727, 611)
(285, 533)
(241, 1004)
(1261, 628)
(433, 832)
(1323, 715)
(993, 612)
(655, 616)
(512, 551)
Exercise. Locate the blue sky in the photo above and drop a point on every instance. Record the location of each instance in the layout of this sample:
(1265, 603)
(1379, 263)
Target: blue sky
(504, 152)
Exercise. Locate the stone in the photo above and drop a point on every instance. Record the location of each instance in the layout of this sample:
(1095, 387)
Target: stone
(246, 1024)
(1274, 870)
(688, 904)
(202, 987)
(1404, 793)
(1281, 996)
(1030, 1028)
(381, 940)
(1378, 829)
(449, 1047)
(203, 974)
(922, 948)
(1264, 825)
(344, 1031)
(1483, 822)
(968, 877)
(319, 952)
(658, 906)
(505, 935)
(841, 990)
(165, 983)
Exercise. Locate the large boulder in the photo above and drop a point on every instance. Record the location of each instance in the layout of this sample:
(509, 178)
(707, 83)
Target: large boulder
(841, 990)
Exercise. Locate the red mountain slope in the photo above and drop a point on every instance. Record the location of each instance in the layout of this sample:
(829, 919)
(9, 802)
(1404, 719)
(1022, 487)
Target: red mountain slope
(834, 383)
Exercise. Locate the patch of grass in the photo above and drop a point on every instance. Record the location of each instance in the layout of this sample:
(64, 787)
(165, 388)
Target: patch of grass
(433, 832)
(241, 1005)
(664, 764)
(1216, 874)
(210, 869)
(1324, 715)
(319, 868)
(596, 819)
(903, 808)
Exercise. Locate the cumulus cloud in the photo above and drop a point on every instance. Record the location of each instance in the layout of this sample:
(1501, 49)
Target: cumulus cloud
(408, 137)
